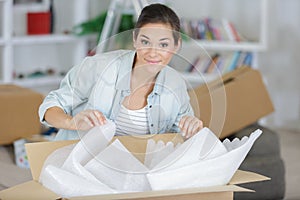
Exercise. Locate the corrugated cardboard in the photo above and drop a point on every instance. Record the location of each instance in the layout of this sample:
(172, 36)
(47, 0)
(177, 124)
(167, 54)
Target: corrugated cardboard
(21, 158)
(38, 152)
(230, 103)
(19, 113)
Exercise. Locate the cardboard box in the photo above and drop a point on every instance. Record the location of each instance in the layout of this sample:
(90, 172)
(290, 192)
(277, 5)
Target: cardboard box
(21, 158)
(38, 152)
(228, 104)
(19, 113)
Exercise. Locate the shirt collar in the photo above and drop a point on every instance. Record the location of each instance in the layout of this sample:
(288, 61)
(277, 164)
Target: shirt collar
(160, 82)
(125, 68)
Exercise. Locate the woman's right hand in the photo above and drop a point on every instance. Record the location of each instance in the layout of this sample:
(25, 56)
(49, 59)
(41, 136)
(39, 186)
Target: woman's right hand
(86, 120)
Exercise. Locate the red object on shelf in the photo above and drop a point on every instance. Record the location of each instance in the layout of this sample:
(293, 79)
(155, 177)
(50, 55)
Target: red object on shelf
(38, 23)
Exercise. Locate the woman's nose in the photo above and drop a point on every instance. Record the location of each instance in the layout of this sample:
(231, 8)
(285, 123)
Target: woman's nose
(153, 51)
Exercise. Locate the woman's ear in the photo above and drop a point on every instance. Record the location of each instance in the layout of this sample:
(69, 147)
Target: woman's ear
(178, 46)
(133, 39)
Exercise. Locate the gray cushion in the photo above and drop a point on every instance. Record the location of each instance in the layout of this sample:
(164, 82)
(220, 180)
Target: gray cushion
(271, 166)
(264, 158)
(266, 144)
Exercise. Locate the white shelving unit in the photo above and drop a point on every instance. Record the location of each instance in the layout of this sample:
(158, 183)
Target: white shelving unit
(190, 49)
(22, 54)
(227, 45)
(5, 38)
(45, 39)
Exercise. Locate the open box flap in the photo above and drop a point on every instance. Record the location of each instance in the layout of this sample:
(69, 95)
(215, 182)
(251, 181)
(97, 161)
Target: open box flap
(172, 193)
(224, 79)
(35, 191)
(29, 190)
(38, 152)
(241, 176)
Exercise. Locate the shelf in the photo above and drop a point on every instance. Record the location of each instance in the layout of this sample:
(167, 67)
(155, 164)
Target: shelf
(225, 45)
(24, 7)
(38, 81)
(46, 39)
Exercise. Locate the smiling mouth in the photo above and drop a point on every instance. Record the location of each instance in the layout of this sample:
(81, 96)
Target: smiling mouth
(153, 61)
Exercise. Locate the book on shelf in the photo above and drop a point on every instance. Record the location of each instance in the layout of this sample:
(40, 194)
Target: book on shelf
(248, 59)
(212, 64)
(231, 31)
(222, 63)
(194, 64)
(211, 29)
(233, 62)
(199, 64)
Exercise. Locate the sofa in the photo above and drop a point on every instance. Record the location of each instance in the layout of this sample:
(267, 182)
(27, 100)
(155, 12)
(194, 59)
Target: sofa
(264, 158)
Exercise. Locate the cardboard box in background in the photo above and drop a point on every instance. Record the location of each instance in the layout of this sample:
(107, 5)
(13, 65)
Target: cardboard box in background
(19, 113)
(230, 103)
(38, 152)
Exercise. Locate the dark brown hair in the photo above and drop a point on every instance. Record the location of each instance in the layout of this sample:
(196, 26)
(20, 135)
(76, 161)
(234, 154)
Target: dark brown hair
(159, 13)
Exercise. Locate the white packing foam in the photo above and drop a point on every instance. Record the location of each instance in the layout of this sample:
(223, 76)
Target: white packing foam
(207, 171)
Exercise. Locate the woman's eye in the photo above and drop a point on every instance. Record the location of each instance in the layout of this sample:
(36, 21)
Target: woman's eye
(164, 45)
(144, 42)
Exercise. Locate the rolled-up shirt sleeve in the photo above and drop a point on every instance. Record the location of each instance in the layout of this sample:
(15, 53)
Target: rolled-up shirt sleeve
(74, 90)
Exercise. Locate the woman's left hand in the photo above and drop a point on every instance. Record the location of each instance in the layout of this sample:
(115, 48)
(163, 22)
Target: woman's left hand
(190, 125)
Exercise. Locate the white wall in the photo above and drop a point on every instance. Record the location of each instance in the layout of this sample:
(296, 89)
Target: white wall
(279, 64)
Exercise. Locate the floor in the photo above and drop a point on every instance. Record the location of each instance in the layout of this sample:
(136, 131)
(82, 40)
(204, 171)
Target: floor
(11, 175)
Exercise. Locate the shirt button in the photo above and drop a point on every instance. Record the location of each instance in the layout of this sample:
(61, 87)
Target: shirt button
(151, 125)
(150, 106)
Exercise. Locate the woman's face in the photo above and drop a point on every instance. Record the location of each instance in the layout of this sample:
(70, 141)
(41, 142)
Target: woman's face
(155, 46)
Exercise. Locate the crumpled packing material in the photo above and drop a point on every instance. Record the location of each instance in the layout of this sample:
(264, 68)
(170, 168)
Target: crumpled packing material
(212, 163)
(95, 165)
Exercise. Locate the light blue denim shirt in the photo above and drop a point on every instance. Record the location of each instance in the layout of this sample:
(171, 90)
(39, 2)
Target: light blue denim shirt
(102, 81)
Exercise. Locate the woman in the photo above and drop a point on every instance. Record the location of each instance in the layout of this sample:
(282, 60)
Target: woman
(135, 89)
